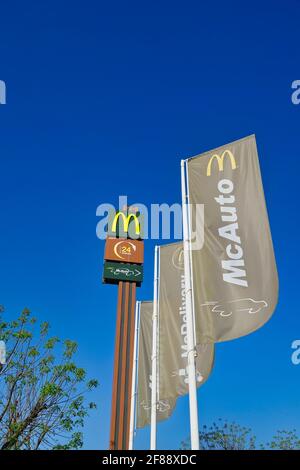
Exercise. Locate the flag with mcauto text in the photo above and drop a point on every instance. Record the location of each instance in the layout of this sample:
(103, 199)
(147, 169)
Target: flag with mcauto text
(234, 276)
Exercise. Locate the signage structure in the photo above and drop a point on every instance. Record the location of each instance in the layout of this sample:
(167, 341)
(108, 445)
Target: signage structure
(124, 255)
(124, 250)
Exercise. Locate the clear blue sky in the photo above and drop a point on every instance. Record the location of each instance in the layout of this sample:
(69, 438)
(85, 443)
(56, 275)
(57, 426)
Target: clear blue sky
(104, 98)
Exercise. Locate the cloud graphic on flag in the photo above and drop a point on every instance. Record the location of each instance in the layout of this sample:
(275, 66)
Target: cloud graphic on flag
(231, 307)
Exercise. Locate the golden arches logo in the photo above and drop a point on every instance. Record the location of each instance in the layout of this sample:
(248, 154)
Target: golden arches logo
(126, 221)
(220, 161)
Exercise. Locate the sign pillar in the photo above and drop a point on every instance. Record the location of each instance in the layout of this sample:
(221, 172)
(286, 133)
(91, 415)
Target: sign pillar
(123, 266)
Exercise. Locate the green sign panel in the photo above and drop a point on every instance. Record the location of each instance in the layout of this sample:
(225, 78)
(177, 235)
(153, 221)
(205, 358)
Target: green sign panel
(114, 272)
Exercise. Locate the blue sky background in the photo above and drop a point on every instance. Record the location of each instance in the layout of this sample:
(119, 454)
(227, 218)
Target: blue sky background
(103, 99)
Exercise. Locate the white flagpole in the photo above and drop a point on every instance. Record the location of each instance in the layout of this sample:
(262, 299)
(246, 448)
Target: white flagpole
(134, 375)
(194, 427)
(154, 356)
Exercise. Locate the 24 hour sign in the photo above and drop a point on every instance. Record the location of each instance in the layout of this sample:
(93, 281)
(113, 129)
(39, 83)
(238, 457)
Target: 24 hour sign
(126, 250)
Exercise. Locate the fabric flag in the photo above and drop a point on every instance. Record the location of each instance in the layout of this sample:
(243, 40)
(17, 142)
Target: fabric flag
(234, 277)
(143, 407)
(172, 350)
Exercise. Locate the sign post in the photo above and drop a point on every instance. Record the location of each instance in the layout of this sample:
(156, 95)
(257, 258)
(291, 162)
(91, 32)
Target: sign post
(124, 255)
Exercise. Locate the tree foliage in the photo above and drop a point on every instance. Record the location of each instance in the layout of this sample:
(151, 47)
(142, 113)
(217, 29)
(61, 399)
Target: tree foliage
(42, 390)
(232, 436)
(224, 436)
(285, 440)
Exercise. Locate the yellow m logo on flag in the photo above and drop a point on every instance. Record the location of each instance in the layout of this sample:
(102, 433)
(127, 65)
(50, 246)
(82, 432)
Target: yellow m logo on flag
(220, 161)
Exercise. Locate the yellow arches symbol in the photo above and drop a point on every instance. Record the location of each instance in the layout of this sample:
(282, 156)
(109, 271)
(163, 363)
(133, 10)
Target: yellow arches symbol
(220, 161)
(126, 222)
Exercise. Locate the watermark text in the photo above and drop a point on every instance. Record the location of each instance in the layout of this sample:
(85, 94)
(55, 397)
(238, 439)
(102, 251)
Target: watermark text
(2, 92)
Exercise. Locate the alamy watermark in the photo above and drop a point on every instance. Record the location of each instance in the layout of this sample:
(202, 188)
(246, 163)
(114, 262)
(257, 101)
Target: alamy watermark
(160, 221)
(2, 92)
(296, 93)
(296, 352)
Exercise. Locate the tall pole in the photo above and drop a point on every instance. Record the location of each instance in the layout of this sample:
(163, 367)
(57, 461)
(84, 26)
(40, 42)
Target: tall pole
(134, 376)
(194, 426)
(123, 265)
(123, 365)
(154, 356)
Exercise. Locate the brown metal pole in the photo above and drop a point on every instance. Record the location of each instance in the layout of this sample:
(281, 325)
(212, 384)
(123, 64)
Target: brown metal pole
(113, 444)
(122, 380)
(122, 390)
(130, 360)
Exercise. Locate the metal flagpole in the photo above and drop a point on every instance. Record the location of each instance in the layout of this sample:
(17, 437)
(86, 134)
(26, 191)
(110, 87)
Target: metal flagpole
(194, 427)
(190, 241)
(154, 356)
(134, 376)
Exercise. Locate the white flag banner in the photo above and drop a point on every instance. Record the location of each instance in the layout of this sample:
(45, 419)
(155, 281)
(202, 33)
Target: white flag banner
(143, 407)
(235, 284)
(172, 350)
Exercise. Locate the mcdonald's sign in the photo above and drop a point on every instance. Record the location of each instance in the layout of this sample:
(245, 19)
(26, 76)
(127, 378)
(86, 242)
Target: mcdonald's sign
(125, 225)
(220, 161)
